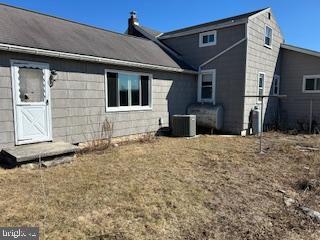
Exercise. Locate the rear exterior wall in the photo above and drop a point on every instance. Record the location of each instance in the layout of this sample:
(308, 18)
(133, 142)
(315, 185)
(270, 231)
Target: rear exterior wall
(230, 74)
(78, 100)
(261, 59)
(296, 107)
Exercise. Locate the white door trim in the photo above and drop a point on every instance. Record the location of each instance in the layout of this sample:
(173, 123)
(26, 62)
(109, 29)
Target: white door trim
(15, 64)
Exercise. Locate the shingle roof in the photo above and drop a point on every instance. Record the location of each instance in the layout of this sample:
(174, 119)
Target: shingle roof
(225, 20)
(30, 29)
(152, 32)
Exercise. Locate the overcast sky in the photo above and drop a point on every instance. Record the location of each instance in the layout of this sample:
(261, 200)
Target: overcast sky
(299, 20)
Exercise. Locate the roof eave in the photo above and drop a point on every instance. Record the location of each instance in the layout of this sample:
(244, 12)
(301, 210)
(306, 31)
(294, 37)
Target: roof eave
(300, 50)
(88, 58)
(204, 29)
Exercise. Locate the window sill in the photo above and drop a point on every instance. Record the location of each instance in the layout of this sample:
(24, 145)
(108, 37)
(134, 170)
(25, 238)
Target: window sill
(311, 91)
(128, 109)
(267, 46)
(207, 45)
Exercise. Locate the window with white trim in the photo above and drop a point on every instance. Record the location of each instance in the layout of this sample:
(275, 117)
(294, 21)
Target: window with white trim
(268, 37)
(206, 91)
(311, 84)
(276, 85)
(128, 91)
(261, 79)
(207, 39)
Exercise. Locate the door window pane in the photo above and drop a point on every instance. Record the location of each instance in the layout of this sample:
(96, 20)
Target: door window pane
(135, 93)
(112, 79)
(31, 82)
(124, 89)
(145, 90)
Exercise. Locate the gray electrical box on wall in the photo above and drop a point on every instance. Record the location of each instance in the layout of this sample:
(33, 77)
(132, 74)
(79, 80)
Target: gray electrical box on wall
(184, 125)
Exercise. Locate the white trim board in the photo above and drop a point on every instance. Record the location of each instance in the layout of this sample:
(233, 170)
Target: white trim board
(223, 52)
(64, 55)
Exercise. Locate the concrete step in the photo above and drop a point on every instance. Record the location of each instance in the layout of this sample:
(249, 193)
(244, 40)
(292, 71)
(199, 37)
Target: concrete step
(32, 152)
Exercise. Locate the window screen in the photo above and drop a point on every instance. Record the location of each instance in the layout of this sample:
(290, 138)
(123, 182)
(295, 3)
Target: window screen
(31, 83)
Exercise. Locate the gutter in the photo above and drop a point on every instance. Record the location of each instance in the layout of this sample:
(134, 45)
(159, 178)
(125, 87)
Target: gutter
(73, 56)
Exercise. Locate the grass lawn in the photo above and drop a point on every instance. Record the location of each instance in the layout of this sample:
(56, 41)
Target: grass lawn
(211, 187)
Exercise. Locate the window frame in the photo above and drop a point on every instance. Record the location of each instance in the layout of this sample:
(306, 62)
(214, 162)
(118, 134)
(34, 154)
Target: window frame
(201, 35)
(278, 78)
(213, 97)
(258, 85)
(265, 36)
(129, 108)
(305, 77)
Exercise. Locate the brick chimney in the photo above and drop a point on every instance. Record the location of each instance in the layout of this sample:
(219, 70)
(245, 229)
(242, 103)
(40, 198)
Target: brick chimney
(133, 20)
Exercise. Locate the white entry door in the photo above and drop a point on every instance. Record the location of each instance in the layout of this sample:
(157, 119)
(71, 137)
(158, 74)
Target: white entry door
(31, 98)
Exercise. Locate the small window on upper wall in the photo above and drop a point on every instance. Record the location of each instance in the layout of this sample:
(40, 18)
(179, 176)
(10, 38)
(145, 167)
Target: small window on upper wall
(276, 85)
(268, 37)
(207, 39)
(311, 84)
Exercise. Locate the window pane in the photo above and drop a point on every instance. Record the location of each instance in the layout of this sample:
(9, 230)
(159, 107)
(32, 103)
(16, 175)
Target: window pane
(268, 41)
(206, 92)
(268, 32)
(206, 84)
(145, 90)
(207, 78)
(112, 80)
(318, 84)
(32, 88)
(310, 84)
(123, 89)
(211, 38)
(135, 93)
(261, 81)
(205, 39)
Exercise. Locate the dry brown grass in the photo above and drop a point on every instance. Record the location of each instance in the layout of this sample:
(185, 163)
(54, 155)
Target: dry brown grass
(203, 188)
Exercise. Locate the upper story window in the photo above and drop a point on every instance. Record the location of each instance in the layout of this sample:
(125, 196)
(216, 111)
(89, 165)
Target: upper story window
(268, 37)
(206, 91)
(261, 79)
(128, 91)
(276, 85)
(311, 84)
(207, 39)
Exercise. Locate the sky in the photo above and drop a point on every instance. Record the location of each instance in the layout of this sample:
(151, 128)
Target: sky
(298, 19)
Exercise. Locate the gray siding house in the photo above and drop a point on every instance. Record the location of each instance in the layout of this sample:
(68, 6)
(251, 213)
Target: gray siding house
(60, 79)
